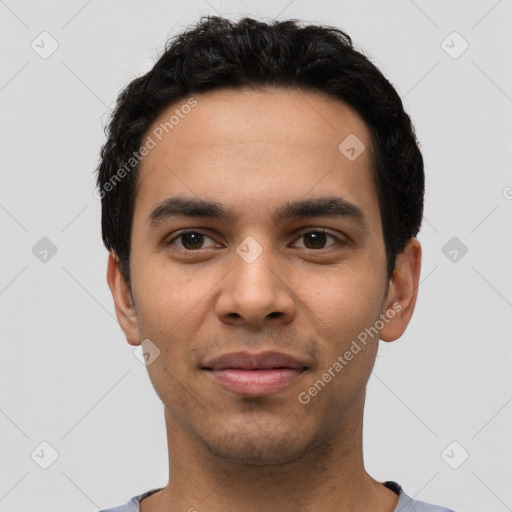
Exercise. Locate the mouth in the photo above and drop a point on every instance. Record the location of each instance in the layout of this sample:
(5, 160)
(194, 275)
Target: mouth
(255, 374)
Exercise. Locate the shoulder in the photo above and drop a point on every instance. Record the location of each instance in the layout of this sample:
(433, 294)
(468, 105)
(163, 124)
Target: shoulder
(133, 505)
(407, 504)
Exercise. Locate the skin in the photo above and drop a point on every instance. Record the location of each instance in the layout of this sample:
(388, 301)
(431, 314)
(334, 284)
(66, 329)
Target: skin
(252, 151)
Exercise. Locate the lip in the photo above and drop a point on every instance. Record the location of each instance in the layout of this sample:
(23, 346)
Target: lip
(258, 374)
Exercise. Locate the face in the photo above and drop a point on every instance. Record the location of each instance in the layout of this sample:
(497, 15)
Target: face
(288, 257)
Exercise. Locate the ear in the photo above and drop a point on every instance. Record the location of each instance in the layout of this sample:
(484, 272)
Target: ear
(402, 291)
(125, 311)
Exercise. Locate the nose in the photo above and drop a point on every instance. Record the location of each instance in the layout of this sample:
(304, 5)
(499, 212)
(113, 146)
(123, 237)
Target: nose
(256, 292)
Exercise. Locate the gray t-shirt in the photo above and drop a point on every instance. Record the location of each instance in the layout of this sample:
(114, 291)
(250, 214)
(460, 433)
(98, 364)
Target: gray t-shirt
(405, 503)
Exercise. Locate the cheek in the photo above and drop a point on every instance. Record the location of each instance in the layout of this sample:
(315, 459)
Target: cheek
(344, 302)
(341, 312)
(168, 294)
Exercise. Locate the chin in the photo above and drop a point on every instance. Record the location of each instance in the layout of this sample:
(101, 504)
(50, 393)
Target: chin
(261, 446)
(256, 453)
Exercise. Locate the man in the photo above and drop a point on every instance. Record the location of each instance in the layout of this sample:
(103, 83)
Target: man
(261, 192)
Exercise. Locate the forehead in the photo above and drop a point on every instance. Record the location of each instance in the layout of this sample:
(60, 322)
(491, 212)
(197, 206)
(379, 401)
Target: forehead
(261, 147)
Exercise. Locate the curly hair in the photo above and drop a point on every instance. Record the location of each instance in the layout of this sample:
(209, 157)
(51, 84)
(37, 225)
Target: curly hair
(219, 53)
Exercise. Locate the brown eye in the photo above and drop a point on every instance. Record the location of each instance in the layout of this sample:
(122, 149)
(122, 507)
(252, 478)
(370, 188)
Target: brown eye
(317, 239)
(190, 240)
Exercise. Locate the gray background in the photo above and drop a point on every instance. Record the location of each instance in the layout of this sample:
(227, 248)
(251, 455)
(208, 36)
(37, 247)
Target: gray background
(67, 375)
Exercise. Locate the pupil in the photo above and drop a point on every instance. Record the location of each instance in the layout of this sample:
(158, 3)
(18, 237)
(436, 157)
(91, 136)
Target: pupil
(317, 238)
(189, 237)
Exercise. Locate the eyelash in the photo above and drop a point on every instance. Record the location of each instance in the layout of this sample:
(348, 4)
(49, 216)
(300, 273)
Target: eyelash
(339, 241)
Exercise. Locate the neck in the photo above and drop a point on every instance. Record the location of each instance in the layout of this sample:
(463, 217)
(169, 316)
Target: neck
(329, 477)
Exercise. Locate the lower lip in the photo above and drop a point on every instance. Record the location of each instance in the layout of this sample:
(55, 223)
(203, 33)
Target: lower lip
(255, 382)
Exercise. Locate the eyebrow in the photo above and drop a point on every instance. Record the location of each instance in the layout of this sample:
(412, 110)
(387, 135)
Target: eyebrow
(330, 206)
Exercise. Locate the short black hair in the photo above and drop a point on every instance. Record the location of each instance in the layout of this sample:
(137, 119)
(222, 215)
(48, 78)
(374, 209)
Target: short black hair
(218, 53)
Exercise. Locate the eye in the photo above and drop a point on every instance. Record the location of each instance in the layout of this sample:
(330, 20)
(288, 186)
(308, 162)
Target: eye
(316, 239)
(190, 240)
